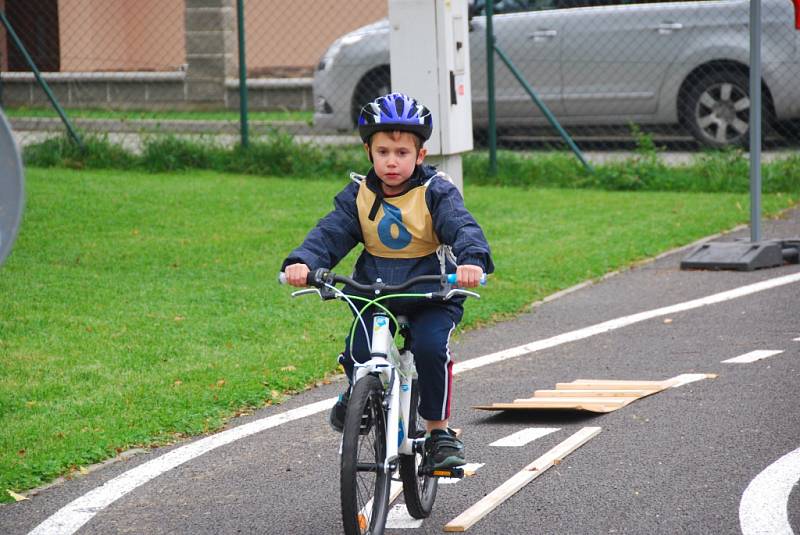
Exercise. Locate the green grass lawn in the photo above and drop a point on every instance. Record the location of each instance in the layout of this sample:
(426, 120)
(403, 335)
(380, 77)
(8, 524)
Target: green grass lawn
(140, 308)
(162, 115)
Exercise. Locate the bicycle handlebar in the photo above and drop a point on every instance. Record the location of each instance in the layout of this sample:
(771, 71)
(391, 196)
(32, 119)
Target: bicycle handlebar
(322, 276)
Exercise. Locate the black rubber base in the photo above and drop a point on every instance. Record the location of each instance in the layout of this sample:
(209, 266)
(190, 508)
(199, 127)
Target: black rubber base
(742, 255)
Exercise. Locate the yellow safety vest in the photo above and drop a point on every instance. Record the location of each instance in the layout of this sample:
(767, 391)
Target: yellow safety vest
(402, 227)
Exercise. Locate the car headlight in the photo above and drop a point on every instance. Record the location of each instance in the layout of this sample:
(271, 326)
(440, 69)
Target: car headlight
(330, 55)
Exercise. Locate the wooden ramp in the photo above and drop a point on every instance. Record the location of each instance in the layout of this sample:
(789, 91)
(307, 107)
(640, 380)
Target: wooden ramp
(492, 500)
(594, 395)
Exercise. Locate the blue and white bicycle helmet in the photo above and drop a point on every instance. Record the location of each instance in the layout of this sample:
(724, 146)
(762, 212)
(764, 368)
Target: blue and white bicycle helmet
(395, 111)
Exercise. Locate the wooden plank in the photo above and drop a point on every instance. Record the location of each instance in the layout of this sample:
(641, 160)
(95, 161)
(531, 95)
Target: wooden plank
(621, 382)
(492, 500)
(395, 490)
(592, 393)
(577, 400)
(595, 406)
(614, 385)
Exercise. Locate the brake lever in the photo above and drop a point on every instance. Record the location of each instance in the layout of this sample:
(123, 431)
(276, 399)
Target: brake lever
(306, 291)
(459, 291)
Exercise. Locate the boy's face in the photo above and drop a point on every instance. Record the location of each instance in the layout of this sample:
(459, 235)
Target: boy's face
(394, 155)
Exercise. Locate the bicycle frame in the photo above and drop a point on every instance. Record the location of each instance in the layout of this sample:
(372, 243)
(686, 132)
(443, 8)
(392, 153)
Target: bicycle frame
(383, 384)
(396, 378)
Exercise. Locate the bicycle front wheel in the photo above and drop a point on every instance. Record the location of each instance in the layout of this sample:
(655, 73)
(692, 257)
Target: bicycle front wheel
(364, 481)
(419, 491)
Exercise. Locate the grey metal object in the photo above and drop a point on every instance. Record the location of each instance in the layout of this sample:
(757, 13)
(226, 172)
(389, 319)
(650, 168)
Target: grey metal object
(742, 255)
(757, 253)
(755, 120)
(12, 188)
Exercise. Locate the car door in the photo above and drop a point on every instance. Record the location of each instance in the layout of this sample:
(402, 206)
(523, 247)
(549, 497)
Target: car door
(615, 55)
(528, 32)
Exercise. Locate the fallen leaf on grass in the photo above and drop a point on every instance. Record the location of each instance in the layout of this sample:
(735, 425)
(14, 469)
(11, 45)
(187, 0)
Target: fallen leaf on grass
(288, 368)
(17, 497)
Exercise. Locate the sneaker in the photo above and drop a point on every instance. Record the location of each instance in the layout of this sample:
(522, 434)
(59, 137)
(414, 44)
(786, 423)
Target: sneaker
(338, 412)
(444, 450)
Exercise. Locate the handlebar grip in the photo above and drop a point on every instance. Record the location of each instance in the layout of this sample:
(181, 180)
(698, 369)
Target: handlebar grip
(282, 278)
(451, 279)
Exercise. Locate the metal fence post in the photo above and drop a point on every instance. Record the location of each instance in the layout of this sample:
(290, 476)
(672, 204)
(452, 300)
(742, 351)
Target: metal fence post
(243, 119)
(29, 60)
(755, 120)
(490, 88)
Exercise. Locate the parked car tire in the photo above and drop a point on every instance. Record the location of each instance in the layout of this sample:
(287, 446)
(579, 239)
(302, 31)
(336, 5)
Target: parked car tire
(375, 83)
(717, 109)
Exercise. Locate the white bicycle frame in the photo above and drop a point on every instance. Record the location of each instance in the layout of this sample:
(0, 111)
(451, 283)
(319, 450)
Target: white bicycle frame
(396, 371)
(396, 377)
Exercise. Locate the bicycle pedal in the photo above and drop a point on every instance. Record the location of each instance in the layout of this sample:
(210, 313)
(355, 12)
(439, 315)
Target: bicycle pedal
(454, 472)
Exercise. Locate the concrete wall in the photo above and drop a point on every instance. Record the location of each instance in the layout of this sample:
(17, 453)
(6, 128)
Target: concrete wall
(182, 53)
(120, 35)
(284, 35)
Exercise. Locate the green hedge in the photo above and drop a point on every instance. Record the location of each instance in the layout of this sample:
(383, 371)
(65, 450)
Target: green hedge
(279, 154)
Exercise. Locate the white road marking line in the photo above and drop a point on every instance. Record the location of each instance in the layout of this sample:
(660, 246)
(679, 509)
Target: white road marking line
(520, 438)
(796, 339)
(499, 495)
(398, 518)
(753, 356)
(469, 469)
(75, 514)
(686, 378)
(624, 321)
(764, 506)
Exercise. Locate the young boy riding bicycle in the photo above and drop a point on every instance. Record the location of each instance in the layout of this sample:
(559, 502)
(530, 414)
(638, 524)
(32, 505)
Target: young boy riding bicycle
(412, 221)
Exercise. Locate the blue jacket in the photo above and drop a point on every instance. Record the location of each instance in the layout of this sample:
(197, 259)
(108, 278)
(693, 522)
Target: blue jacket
(341, 230)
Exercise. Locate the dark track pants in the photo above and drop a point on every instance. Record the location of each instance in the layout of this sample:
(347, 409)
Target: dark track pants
(431, 328)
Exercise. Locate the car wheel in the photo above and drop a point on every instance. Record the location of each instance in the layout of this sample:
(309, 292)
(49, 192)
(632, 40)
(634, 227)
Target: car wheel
(718, 109)
(375, 83)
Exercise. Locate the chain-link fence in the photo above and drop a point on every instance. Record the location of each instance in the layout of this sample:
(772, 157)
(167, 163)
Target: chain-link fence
(606, 69)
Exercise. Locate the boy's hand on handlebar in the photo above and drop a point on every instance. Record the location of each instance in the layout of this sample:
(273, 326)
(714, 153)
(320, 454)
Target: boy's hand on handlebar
(297, 275)
(468, 276)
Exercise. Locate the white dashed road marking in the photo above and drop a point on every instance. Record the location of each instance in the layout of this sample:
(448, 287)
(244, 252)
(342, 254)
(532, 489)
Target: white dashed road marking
(520, 438)
(75, 514)
(753, 356)
(398, 518)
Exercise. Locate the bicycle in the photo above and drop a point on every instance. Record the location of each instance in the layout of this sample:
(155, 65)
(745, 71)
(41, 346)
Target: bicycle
(375, 443)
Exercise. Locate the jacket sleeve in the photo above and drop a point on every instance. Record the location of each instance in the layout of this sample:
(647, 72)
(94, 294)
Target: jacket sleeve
(333, 236)
(455, 226)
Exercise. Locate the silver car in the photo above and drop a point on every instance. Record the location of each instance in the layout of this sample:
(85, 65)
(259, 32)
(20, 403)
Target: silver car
(601, 62)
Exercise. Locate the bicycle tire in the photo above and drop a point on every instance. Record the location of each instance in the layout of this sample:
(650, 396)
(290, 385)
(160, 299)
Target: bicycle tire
(364, 484)
(419, 491)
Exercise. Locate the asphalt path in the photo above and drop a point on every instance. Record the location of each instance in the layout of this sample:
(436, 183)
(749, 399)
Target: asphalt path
(676, 462)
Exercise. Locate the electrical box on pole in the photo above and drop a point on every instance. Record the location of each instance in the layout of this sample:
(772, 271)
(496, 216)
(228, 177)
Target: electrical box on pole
(429, 46)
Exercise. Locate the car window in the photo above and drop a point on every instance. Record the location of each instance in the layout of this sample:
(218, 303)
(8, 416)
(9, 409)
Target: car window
(564, 4)
(478, 7)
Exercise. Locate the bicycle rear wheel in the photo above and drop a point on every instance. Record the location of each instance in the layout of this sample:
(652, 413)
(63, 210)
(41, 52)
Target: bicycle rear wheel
(419, 491)
(364, 483)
